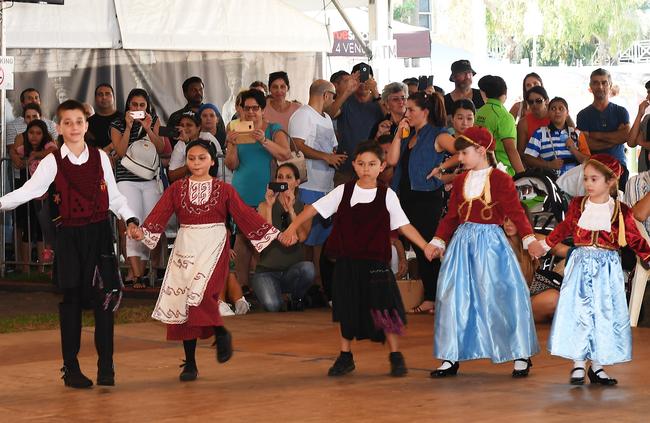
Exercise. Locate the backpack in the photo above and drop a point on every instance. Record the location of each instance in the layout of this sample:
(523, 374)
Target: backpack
(142, 159)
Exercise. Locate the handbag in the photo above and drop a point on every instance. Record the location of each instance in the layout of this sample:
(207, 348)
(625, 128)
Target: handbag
(142, 159)
(297, 159)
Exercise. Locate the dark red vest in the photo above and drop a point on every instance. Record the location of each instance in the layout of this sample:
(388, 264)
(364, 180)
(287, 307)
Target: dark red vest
(80, 190)
(363, 231)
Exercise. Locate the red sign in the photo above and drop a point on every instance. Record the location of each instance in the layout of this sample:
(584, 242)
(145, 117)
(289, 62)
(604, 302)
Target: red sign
(345, 44)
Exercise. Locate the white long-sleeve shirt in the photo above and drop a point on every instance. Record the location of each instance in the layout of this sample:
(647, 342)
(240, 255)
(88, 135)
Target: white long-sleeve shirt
(47, 169)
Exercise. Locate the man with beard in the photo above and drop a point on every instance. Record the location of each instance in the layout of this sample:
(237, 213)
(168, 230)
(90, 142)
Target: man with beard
(461, 75)
(99, 133)
(193, 93)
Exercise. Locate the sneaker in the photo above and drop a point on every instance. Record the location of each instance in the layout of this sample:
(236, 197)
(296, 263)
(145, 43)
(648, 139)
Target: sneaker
(343, 365)
(242, 306)
(224, 309)
(397, 364)
(189, 373)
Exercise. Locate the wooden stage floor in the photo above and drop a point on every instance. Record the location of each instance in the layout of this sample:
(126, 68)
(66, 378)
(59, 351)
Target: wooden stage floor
(278, 374)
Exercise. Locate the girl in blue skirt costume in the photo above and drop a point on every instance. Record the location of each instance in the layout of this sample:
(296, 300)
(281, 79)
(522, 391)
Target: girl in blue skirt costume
(483, 304)
(592, 320)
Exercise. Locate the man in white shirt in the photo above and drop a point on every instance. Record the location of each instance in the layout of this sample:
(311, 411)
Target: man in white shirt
(312, 131)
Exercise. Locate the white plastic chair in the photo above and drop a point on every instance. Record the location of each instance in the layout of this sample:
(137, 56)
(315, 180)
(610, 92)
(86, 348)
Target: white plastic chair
(638, 283)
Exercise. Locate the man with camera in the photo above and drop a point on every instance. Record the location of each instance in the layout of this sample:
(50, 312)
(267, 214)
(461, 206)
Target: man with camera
(356, 109)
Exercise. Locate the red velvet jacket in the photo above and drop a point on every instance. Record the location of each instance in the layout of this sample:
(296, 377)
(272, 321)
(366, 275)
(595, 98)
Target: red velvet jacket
(602, 239)
(502, 201)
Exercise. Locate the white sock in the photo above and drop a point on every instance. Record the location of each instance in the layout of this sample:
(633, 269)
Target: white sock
(445, 365)
(595, 367)
(580, 372)
(520, 365)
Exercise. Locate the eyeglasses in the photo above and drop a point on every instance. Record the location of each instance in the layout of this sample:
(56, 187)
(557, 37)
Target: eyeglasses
(535, 101)
(251, 108)
(397, 99)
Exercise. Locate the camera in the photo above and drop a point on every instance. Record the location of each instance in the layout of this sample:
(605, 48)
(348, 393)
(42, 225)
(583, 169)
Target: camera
(278, 186)
(138, 114)
(364, 74)
(170, 132)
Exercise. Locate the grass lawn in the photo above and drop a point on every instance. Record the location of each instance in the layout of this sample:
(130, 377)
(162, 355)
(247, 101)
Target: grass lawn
(43, 321)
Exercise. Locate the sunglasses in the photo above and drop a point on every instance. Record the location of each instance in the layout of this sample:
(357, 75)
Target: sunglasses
(251, 108)
(536, 101)
(397, 99)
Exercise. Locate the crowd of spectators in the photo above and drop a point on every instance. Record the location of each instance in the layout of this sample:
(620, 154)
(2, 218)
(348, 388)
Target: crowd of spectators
(416, 126)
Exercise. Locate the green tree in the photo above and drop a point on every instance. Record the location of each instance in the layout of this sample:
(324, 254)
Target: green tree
(586, 31)
(405, 12)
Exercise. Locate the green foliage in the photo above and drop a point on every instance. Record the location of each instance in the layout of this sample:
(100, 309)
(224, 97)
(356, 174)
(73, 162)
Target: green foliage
(405, 11)
(577, 31)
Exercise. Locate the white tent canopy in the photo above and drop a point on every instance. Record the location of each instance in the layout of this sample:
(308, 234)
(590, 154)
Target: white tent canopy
(181, 25)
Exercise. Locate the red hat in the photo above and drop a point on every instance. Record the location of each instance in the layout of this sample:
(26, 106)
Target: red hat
(609, 162)
(479, 136)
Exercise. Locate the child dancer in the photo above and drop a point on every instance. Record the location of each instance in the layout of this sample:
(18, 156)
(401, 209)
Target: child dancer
(198, 266)
(365, 297)
(85, 267)
(483, 308)
(592, 321)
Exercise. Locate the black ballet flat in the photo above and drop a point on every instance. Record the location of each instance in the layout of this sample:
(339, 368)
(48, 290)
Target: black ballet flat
(451, 371)
(524, 372)
(594, 378)
(577, 380)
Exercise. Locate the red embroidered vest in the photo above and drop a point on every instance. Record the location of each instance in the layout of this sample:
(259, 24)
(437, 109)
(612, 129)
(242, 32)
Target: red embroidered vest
(363, 231)
(81, 193)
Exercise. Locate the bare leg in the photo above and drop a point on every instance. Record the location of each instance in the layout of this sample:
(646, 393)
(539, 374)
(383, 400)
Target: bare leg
(544, 305)
(393, 342)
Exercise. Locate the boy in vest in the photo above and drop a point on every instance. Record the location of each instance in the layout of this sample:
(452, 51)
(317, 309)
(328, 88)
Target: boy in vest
(85, 266)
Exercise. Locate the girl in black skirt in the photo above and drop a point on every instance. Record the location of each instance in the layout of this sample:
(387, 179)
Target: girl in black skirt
(365, 298)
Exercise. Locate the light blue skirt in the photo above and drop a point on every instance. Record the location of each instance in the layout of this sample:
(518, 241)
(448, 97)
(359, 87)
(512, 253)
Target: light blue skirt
(483, 304)
(592, 321)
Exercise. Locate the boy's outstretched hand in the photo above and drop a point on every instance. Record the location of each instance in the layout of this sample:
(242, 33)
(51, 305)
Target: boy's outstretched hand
(431, 252)
(134, 232)
(288, 238)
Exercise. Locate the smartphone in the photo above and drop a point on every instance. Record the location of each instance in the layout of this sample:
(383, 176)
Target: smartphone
(243, 126)
(138, 114)
(364, 74)
(278, 186)
(424, 82)
(170, 132)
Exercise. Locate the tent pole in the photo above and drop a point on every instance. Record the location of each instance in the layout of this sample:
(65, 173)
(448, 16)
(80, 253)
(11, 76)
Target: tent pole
(352, 28)
(3, 140)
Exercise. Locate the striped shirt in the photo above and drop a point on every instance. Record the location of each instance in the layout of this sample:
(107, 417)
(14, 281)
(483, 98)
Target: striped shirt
(636, 188)
(137, 132)
(550, 143)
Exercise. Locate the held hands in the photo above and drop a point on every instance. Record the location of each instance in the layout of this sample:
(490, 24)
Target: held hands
(432, 252)
(536, 250)
(435, 173)
(134, 232)
(288, 237)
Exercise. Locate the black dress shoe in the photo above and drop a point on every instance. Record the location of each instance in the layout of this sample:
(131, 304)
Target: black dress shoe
(343, 365)
(578, 380)
(224, 346)
(397, 364)
(189, 373)
(594, 378)
(523, 372)
(450, 371)
(73, 378)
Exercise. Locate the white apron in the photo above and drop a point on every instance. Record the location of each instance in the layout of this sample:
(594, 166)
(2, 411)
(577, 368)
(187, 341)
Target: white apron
(195, 255)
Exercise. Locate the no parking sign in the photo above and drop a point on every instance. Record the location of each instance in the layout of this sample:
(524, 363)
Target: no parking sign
(7, 72)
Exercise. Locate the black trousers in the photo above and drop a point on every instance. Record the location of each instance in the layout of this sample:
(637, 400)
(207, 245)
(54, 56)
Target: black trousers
(424, 212)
